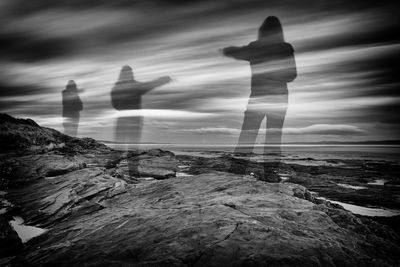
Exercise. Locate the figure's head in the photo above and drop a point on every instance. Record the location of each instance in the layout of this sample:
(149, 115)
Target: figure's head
(271, 30)
(71, 86)
(126, 74)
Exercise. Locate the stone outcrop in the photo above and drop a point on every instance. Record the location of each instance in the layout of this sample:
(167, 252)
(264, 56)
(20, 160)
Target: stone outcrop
(24, 136)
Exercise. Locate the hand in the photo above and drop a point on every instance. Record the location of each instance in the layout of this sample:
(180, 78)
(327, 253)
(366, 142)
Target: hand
(165, 79)
(227, 51)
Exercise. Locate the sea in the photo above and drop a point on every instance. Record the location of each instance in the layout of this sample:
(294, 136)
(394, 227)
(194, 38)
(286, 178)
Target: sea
(289, 151)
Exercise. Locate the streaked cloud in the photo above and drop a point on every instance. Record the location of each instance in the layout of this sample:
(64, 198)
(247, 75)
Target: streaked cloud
(317, 129)
(158, 114)
(346, 57)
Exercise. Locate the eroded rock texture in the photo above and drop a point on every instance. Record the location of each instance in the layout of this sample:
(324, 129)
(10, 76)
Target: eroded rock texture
(214, 219)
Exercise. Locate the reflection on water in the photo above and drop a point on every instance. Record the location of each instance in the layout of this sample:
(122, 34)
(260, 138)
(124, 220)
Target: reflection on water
(378, 182)
(354, 187)
(365, 211)
(25, 232)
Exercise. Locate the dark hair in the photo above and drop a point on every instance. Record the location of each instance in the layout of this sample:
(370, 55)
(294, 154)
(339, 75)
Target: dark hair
(71, 86)
(126, 74)
(271, 29)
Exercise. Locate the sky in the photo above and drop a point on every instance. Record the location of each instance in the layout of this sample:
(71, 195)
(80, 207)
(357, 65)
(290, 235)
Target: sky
(346, 53)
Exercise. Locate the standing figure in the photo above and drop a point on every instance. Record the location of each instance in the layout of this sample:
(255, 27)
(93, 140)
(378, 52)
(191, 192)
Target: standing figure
(127, 95)
(272, 66)
(72, 104)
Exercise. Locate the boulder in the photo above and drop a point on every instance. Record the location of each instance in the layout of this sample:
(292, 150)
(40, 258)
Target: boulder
(154, 163)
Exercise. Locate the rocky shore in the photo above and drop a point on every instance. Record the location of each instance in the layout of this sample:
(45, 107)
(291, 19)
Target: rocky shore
(181, 211)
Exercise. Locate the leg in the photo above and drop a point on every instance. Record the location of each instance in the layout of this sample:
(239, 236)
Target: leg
(128, 131)
(71, 125)
(251, 124)
(135, 138)
(273, 139)
(66, 126)
(75, 122)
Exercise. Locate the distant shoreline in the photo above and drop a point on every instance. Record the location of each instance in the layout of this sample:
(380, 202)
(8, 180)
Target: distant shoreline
(316, 144)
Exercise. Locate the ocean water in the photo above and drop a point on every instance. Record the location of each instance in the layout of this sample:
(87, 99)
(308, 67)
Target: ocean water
(289, 152)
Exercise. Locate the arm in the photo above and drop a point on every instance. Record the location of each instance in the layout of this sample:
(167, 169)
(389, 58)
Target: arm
(148, 86)
(243, 52)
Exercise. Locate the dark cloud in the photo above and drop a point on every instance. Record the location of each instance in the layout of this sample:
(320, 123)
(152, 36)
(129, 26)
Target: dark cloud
(164, 17)
(386, 113)
(26, 47)
(17, 99)
(8, 90)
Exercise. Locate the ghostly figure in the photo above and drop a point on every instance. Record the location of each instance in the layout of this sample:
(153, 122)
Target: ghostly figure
(126, 95)
(72, 105)
(272, 66)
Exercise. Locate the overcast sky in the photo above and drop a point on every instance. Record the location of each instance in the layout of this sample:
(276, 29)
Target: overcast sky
(346, 51)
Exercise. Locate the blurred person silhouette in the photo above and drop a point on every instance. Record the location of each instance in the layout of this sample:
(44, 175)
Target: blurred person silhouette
(72, 104)
(272, 66)
(126, 95)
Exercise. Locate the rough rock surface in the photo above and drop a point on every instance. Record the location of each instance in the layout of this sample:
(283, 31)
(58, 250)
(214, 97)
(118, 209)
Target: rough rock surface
(214, 219)
(60, 197)
(26, 168)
